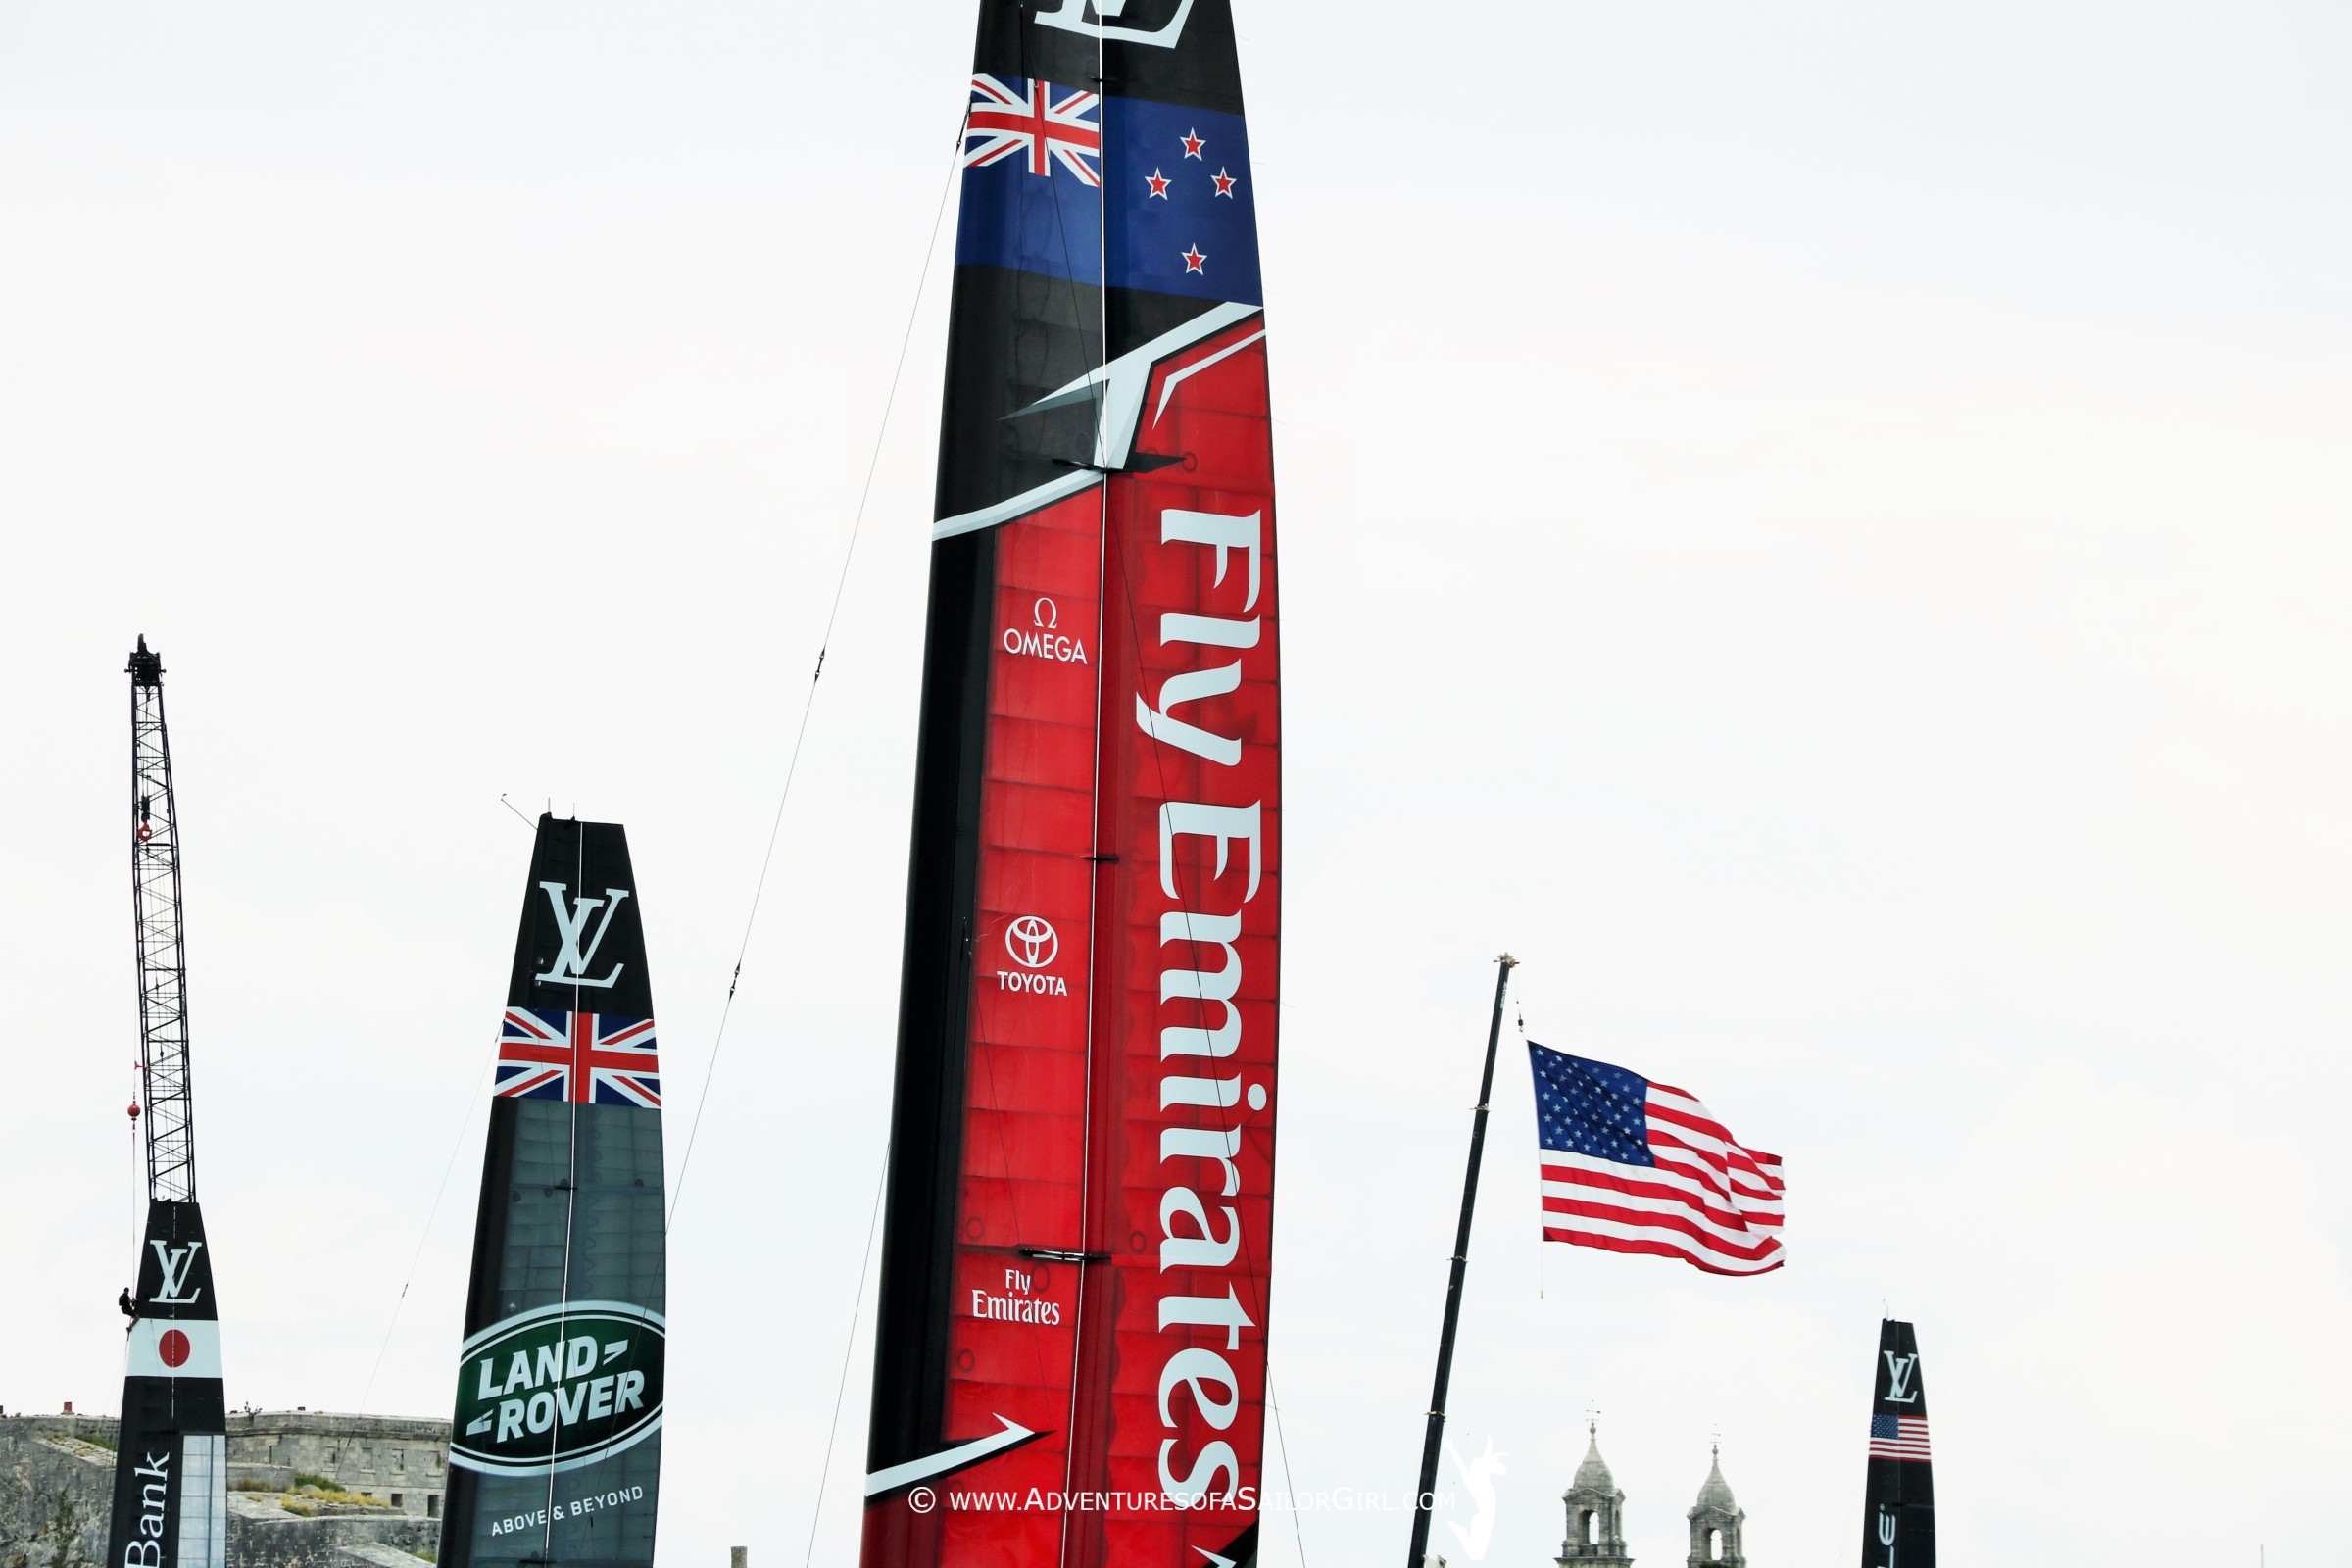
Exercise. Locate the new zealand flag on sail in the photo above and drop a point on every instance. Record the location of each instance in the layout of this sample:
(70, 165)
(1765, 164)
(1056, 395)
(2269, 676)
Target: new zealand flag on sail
(1046, 164)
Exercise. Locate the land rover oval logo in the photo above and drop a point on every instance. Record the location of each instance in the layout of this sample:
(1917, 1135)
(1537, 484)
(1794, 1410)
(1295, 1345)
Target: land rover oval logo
(557, 1388)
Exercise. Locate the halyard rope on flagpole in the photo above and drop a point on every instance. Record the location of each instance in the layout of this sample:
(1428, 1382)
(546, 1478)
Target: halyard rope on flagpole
(1542, 1252)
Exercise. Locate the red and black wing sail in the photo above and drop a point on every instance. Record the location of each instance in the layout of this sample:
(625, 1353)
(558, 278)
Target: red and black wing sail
(1075, 1278)
(1898, 1509)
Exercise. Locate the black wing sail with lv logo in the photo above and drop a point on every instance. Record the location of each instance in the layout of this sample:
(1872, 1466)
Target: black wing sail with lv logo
(556, 1445)
(171, 1464)
(1898, 1509)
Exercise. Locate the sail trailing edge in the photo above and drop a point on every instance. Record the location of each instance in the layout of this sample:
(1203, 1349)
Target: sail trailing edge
(1077, 1223)
(556, 1442)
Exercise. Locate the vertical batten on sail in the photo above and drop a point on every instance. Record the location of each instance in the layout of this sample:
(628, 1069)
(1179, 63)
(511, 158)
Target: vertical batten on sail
(556, 1445)
(1077, 1224)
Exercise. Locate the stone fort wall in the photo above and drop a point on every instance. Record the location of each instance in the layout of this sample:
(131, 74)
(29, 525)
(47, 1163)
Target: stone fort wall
(56, 1475)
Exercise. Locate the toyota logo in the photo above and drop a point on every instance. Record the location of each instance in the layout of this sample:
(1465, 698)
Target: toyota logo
(1031, 942)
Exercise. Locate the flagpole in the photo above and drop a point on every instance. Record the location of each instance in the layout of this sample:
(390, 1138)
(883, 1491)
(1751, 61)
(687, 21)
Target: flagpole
(1454, 1287)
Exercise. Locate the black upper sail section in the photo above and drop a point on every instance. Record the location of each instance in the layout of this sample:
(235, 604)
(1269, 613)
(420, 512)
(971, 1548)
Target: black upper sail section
(555, 1458)
(1898, 1506)
(1170, 51)
(581, 945)
(1019, 334)
(176, 1265)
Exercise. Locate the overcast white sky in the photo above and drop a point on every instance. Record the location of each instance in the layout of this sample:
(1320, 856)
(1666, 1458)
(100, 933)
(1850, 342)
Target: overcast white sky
(1822, 528)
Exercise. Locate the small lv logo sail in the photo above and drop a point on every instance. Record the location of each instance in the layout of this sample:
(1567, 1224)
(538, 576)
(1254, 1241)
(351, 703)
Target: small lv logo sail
(571, 965)
(1898, 1379)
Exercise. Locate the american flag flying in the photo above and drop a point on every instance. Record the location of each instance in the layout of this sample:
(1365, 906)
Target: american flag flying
(1899, 1436)
(1635, 1166)
(591, 1058)
(1046, 124)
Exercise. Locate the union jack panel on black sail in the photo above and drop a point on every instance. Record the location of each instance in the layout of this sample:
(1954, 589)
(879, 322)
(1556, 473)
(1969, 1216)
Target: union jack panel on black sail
(594, 1058)
(556, 1447)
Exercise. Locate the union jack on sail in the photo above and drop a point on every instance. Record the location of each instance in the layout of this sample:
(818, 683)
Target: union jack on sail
(590, 1059)
(1029, 119)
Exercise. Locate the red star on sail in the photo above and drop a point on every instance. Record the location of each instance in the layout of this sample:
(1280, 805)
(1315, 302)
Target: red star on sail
(1193, 258)
(1224, 181)
(1193, 144)
(1158, 184)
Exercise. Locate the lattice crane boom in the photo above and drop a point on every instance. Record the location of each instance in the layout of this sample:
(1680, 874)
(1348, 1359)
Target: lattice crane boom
(162, 948)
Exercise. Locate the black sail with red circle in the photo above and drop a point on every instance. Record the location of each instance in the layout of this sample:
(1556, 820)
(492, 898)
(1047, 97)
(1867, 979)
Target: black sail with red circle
(170, 1498)
(1070, 1366)
(171, 1504)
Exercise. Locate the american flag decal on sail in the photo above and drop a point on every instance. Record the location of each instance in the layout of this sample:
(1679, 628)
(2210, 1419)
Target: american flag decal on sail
(1899, 1436)
(1030, 120)
(1635, 1166)
(590, 1059)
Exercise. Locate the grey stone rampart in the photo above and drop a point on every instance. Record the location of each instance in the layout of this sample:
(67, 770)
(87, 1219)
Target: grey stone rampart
(263, 1535)
(57, 1476)
(388, 1457)
(55, 1489)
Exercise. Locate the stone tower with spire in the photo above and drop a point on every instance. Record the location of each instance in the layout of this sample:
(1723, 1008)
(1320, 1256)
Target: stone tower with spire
(1715, 1523)
(1596, 1513)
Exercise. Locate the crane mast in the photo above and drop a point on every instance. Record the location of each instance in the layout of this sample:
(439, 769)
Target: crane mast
(170, 1504)
(161, 942)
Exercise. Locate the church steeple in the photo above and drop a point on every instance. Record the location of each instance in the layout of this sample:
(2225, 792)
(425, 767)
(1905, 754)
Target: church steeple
(1596, 1513)
(1715, 1523)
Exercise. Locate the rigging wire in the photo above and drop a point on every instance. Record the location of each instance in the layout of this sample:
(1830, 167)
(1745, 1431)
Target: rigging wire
(1289, 1475)
(572, 1221)
(138, 1172)
(464, 1120)
(848, 1355)
(432, 1215)
(824, 644)
(848, 555)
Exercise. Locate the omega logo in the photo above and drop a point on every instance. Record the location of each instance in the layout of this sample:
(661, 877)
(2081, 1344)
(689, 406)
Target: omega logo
(1043, 638)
